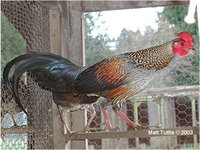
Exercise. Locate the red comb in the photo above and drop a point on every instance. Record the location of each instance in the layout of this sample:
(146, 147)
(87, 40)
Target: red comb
(186, 37)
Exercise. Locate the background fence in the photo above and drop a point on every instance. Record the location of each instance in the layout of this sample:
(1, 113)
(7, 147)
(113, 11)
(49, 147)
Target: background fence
(169, 103)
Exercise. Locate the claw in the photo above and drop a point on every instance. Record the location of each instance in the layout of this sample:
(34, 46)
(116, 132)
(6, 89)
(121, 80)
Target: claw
(138, 126)
(86, 130)
(111, 129)
(133, 125)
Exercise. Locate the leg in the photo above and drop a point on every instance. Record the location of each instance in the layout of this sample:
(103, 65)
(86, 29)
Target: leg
(107, 120)
(125, 118)
(106, 117)
(92, 116)
(63, 120)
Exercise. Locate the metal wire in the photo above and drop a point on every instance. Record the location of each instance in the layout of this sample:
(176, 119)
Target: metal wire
(160, 108)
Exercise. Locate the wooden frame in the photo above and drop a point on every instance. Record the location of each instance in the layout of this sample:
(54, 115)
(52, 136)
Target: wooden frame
(66, 39)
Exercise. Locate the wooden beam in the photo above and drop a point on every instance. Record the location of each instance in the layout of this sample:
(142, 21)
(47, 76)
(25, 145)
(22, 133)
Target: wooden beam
(169, 90)
(14, 130)
(136, 133)
(50, 4)
(92, 6)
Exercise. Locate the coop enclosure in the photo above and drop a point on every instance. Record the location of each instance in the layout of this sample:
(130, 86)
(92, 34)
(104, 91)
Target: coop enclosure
(171, 112)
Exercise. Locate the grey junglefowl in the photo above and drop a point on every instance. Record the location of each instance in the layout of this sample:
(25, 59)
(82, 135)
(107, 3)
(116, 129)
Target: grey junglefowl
(116, 78)
(52, 73)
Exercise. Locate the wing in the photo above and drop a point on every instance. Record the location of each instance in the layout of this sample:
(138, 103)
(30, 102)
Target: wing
(133, 68)
(104, 75)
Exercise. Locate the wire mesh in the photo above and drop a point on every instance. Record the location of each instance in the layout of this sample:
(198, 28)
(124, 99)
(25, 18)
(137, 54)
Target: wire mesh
(15, 141)
(8, 102)
(12, 116)
(31, 19)
(159, 112)
(17, 121)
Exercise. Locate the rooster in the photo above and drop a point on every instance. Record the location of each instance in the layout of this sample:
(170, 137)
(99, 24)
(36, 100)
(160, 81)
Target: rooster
(52, 73)
(116, 78)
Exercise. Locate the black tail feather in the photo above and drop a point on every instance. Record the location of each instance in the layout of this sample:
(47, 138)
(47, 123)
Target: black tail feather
(26, 57)
(35, 62)
(9, 66)
(16, 77)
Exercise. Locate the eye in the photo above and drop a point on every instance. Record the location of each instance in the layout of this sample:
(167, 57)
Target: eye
(182, 43)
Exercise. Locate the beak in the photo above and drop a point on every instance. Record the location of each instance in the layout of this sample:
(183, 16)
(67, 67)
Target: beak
(191, 51)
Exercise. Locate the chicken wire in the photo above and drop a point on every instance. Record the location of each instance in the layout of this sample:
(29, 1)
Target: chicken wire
(10, 114)
(31, 20)
(159, 112)
(39, 121)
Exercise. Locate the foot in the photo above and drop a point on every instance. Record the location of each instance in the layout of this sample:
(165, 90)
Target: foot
(64, 120)
(87, 130)
(137, 126)
(128, 121)
(111, 129)
(91, 118)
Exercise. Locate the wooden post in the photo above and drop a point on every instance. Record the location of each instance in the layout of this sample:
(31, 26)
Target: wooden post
(55, 47)
(135, 106)
(72, 49)
(194, 119)
(171, 118)
(154, 120)
(55, 35)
